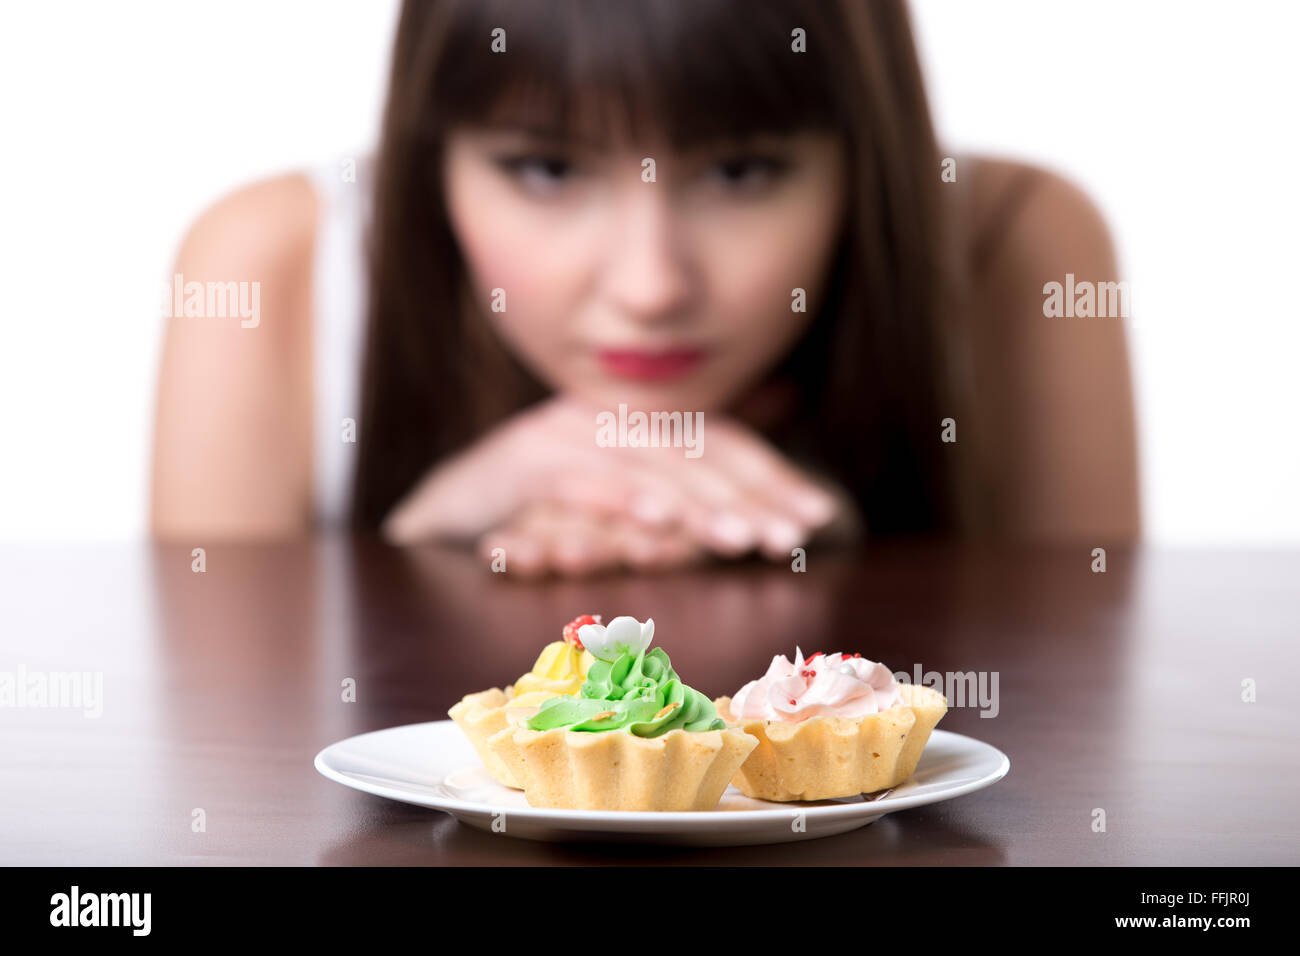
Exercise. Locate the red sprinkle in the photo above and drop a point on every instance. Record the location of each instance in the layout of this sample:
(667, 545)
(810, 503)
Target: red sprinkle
(571, 629)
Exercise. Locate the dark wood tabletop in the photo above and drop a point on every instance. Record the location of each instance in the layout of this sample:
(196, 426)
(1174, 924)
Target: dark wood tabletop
(1119, 691)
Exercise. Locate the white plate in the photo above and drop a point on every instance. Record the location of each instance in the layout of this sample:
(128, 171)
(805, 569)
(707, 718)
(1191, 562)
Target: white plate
(433, 765)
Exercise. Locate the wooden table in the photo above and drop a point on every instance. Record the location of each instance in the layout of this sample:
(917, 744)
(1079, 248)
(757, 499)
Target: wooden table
(1119, 691)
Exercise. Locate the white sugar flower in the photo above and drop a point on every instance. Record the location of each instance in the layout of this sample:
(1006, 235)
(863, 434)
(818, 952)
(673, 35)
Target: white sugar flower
(623, 635)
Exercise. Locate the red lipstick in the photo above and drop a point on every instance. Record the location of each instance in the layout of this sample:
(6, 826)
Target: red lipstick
(644, 365)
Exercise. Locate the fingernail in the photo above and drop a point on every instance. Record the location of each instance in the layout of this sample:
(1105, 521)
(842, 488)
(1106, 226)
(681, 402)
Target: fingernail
(815, 506)
(651, 509)
(783, 536)
(571, 550)
(733, 531)
(642, 550)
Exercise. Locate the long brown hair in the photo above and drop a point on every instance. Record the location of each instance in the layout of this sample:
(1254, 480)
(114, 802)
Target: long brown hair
(870, 373)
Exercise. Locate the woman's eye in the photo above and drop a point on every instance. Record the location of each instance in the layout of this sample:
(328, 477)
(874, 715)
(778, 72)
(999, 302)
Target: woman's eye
(748, 173)
(540, 174)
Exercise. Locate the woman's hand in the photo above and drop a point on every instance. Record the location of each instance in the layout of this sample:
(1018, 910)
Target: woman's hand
(541, 484)
(577, 540)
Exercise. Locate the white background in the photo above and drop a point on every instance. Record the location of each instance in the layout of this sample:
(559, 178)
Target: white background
(120, 122)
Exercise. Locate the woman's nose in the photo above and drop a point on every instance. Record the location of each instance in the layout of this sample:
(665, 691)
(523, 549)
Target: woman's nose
(649, 275)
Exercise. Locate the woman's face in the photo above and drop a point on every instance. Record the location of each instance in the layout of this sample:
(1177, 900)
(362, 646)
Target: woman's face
(666, 292)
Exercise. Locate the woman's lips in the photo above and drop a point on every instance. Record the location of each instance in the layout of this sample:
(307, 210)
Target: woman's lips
(645, 365)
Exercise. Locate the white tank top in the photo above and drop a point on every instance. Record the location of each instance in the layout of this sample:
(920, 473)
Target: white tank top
(338, 324)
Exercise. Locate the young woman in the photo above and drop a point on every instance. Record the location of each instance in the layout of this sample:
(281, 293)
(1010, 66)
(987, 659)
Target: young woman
(713, 207)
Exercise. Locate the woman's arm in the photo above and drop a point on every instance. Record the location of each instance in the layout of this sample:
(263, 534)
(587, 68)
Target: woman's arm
(233, 429)
(1053, 395)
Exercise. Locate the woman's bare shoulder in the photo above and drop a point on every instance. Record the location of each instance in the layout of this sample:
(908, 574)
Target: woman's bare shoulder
(267, 224)
(232, 442)
(1016, 210)
(1053, 396)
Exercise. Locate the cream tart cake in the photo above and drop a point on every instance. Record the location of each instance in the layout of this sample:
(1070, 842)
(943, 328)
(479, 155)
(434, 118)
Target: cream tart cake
(559, 670)
(633, 738)
(829, 726)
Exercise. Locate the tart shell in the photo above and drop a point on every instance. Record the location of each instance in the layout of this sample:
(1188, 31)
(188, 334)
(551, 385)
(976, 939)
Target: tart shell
(479, 716)
(824, 758)
(616, 770)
